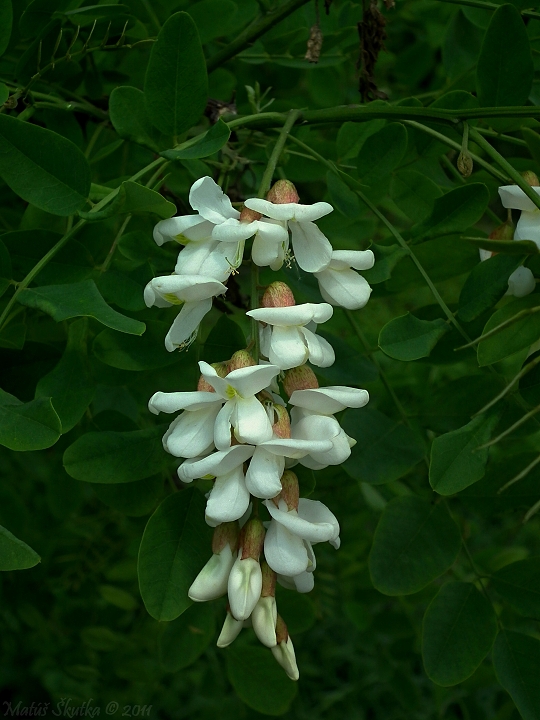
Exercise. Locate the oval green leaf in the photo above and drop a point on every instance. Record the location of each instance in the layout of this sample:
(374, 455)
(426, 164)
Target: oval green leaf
(486, 285)
(14, 553)
(116, 457)
(176, 83)
(129, 117)
(519, 584)
(210, 143)
(455, 211)
(522, 330)
(516, 658)
(185, 639)
(27, 426)
(408, 338)
(415, 542)
(458, 632)
(175, 545)
(42, 167)
(384, 151)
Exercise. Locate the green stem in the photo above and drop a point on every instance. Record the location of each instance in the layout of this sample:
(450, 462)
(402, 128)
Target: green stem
(458, 177)
(490, 6)
(258, 27)
(116, 240)
(500, 136)
(505, 165)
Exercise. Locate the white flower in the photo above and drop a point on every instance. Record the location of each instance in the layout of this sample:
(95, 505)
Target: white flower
(211, 582)
(284, 654)
(270, 243)
(287, 342)
(194, 293)
(302, 583)
(528, 227)
(287, 545)
(230, 631)
(229, 497)
(263, 618)
(311, 247)
(521, 282)
(329, 400)
(244, 586)
(340, 284)
(242, 410)
(307, 426)
(192, 433)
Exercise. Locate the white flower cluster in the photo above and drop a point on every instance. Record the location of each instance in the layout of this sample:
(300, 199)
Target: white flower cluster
(521, 282)
(214, 242)
(236, 429)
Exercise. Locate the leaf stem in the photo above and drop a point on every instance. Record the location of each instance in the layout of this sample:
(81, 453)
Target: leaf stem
(490, 6)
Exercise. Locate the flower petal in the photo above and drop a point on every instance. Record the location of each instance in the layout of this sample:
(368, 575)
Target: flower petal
(312, 249)
(172, 402)
(329, 400)
(229, 498)
(175, 227)
(314, 511)
(222, 426)
(189, 288)
(521, 282)
(292, 315)
(357, 259)
(513, 196)
(250, 421)
(186, 323)
(287, 347)
(284, 552)
(264, 473)
(214, 259)
(218, 463)
(193, 433)
(212, 378)
(211, 582)
(289, 211)
(321, 353)
(345, 288)
(244, 587)
(294, 448)
(210, 201)
(321, 529)
(234, 231)
(528, 227)
(249, 381)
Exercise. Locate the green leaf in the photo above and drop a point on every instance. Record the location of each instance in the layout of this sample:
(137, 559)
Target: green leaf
(129, 352)
(516, 658)
(351, 365)
(116, 457)
(132, 498)
(519, 334)
(258, 680)
(343, 198)
(198, 147)
(408, 338)
(458, 632)
(386, 449)
(117, 597)
(486, 285)
(70, 385)
(175, 545)
(6, 21)
(224, 339)
(14, 553)
(213, 18)
(176, 84)
(28, 426)
(82, 299)
(459, 209)
(382, 153)
(414, 193)
(415, 542)
(185, 639)
(351, 136)
(133, 198)
(121, 290)
(456, 461)
(519, 584)
(386, 258)
(505, 70)
(506, 247)
(129, 117)
(533, 143)
(104, 152)
(42, 167)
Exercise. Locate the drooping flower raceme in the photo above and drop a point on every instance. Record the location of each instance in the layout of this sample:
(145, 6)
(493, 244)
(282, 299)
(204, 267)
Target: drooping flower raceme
(235, 433)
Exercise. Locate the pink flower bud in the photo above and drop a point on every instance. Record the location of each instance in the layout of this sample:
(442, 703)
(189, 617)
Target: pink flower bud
(503, 232)
(226, 534)
(299, 378)
(278, 294)
(282, 426)
(283, 191)
(252, 539)
(248, 216)
(290, 491)
(241, 359)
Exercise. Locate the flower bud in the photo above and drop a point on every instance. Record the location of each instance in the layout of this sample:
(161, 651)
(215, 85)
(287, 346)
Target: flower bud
(226, 533)
(269, 578)
(263, 618)
(282, 426)
(465, 163)
(248, 216)
(530, 178)
(244, 587)
(230, 631)
(241, 359)
(503, 232)
(290, 491)
(299, 378)
(252, 539)
(284, 650)
(212, 581)
(283, 191)
(278, 294)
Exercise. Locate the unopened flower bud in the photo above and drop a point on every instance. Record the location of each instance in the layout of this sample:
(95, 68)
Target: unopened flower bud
(248, 216)
(226, 533)
(263, 618)
(241, 359)
(503, 232)
(244, 587)
(299, 378)
(284, 650)
(282, 426)
(278, 294)
(230, 631)
(283, 191)
(290, 491)
(530, 178)
(465, 163)
(252, 539)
